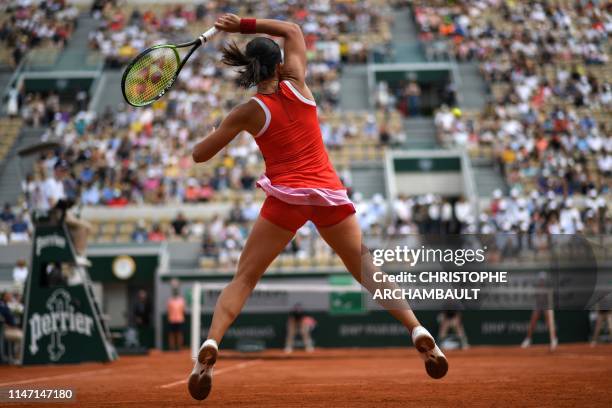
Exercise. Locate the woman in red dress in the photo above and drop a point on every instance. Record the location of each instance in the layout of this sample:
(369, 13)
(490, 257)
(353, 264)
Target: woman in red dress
(300, 182)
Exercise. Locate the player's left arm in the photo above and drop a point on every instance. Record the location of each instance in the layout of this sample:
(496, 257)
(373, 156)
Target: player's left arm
(238, 120)
(294, 59)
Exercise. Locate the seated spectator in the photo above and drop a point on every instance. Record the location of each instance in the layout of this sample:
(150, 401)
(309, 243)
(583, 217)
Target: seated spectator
(140, 233)
(20, 273)
(20, 230)
(210, 248)
(180, 225)
(156, 234)
(26, 25)
(7, 214)
(12, 331)
(236, 214)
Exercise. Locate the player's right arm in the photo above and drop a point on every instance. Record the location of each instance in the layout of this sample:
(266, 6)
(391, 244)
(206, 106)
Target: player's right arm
(247, 116)
(294, 64)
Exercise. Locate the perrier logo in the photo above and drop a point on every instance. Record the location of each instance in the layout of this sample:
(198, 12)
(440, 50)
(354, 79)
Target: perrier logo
(59, 321)
(53, 240)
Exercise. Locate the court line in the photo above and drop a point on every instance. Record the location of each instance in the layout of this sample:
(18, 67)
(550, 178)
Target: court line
(70, 375)
(583, 356)
(57, 377)
(235, 367)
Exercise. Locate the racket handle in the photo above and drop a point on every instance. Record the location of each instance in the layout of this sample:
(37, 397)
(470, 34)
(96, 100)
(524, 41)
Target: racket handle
(207, 35)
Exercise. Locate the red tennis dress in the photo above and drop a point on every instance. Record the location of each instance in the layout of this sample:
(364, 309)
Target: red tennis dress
(300, 182)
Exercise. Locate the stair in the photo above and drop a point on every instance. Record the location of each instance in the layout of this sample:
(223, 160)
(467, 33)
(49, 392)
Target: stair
(487, 177)
(10, 170)
(5, 77)
(406, 47)
(472, 89)
(368, 179)
(77, 54)
(420, 133)
(355, 93)
(108, 91)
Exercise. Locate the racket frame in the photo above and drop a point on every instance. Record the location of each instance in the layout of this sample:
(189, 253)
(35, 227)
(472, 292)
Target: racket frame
(195, 44)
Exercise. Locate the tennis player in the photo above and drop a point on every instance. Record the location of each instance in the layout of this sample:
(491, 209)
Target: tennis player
(300, 182)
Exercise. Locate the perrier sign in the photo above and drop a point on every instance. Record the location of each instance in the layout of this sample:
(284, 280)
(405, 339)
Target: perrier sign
(62, 322)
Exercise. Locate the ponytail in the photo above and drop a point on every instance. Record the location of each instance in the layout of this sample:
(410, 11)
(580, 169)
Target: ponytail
(256, 68)
(234, 57)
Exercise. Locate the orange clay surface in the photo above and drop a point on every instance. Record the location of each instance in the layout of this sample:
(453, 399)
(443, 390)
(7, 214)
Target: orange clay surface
(573, 376)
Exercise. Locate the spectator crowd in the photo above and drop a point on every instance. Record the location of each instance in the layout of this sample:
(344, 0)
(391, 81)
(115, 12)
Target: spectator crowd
(128, 155)
(335, 31)
(26, 24)
(548, 125)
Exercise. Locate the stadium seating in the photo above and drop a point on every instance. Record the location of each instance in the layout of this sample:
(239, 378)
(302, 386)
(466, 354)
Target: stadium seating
(354, 27)
(142, 156)
(549, 121)
(9, 130)
(29, 25)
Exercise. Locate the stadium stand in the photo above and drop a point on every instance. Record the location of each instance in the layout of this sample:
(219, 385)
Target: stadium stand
(8, 133)
(414, 98)
(547, 124)
(28, 25)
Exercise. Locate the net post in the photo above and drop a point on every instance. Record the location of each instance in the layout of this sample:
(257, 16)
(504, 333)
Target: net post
(195, 317)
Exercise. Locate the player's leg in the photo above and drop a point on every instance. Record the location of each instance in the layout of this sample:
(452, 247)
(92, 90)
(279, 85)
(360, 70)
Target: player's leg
(549, 316)
(171, 343)
(79, 231)
(598, 325)
(179, 339)
(305, 332)
(290, 335)
(535, 315)
(461, 331)
(444, 326)
(264, 244)
(345, 239)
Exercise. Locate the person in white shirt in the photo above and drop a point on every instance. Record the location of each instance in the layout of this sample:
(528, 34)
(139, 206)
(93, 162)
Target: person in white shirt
(20, 273)
(446, 217)
(569, 218)
(53, 190)
(4, 236)
(463, 213)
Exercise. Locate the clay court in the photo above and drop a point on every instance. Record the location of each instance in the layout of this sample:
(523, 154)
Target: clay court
(574, 375)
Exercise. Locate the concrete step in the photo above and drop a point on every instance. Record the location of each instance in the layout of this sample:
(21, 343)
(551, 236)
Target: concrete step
(472, 89)
(354, 83)
(420, 133)
(108, 91)
(487, 179)
(5, 77)
(368, 179)
(406, 46)
(80, 37)
(403, 27)
(76, 53)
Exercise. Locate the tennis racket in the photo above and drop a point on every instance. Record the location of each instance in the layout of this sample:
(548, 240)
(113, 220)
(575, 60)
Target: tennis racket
(153, 72)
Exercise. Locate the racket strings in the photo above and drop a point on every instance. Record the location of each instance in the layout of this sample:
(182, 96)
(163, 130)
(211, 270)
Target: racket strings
(150, 75)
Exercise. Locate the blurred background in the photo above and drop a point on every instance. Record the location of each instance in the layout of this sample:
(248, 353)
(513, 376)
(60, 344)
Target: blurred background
(441, 117)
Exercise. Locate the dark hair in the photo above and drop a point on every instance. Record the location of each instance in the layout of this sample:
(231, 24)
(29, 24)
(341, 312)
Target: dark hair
(259, 60)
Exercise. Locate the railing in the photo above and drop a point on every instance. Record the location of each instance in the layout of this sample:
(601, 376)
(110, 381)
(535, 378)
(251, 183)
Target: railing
(9, 85)
(52, 59)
